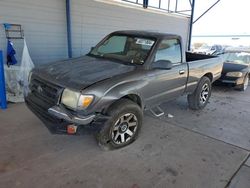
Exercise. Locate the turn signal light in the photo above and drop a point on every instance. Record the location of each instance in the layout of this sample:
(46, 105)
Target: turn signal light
(86, 102)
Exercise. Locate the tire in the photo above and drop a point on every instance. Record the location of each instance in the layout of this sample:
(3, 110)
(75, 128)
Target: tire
(199, 99)
(243, 87)
(123, 126)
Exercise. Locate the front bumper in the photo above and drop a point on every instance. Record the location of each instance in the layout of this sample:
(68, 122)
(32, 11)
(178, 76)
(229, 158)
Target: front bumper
(61, 113)
(57, 120)
(232, 80)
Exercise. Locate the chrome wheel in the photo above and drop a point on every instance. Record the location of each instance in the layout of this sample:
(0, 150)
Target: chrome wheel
(124, 128)
(204, 93)
(246, 83)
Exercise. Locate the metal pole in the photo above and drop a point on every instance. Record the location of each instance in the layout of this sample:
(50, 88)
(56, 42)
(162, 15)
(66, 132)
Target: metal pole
(168, 5)
(206, 11)
(68, 28)
(191, 25)
(3, 101)
(176, 5)
(145, 3)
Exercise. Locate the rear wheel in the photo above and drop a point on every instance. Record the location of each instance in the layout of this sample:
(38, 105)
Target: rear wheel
(123, 126)
(199, 99)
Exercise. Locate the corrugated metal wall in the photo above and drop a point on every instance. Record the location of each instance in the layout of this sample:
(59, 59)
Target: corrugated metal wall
(44, 24)
(92, 20)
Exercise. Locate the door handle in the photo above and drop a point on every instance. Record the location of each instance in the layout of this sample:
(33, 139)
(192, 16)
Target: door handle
(181, 71)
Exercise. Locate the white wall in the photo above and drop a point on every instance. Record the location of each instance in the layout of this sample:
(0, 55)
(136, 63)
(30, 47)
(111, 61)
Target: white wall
(44, 24)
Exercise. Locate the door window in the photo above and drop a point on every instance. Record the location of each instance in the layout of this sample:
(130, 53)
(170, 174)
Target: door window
(169, 50)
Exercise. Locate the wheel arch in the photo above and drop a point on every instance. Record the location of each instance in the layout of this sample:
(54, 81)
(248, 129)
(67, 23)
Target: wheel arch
(135, 98)
(132, 97)
(209, 75)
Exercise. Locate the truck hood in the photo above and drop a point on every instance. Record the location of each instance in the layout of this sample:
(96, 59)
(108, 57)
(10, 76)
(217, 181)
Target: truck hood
(79, 73)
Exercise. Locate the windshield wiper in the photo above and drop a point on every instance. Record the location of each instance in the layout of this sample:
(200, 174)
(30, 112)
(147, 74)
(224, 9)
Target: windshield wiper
(96, 55)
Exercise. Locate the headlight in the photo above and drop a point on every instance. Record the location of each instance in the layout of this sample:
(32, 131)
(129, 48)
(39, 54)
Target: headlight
(234, 74)
(70, 98)
(75, 100)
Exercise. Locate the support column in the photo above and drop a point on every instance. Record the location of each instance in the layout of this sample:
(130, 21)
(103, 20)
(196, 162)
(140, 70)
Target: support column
(191, 25)
(69, 37)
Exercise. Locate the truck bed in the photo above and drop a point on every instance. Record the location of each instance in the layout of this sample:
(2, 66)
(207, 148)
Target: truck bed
(200, 65)
(194, 57)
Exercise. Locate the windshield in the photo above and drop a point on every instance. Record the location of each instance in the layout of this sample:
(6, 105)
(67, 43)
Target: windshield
(130, 49)
(237, 57)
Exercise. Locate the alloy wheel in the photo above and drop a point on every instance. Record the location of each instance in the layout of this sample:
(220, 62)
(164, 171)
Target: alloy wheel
(124, 128)
(204, 93)
(246, 83)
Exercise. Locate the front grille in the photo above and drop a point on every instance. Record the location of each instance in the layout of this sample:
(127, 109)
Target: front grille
(42, 96)
(44, 93)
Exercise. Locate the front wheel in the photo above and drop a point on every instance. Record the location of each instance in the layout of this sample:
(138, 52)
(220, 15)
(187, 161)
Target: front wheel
(244, 86)
(123, 126)
(199, 99)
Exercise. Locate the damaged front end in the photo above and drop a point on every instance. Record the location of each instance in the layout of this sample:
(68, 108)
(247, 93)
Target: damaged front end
(43, 100)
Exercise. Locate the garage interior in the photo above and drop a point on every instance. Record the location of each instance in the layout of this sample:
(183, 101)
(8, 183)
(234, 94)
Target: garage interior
(183, 148)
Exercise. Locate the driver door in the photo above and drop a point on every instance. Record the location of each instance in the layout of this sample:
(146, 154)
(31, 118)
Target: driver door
(168, 75)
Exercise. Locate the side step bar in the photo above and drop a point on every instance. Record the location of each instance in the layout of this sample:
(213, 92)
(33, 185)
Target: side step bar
(157, 111)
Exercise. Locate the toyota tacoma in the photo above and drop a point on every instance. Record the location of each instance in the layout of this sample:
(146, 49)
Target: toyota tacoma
(108, 89)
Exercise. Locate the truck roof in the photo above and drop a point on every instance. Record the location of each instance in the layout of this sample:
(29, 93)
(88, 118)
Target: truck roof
(145, 33)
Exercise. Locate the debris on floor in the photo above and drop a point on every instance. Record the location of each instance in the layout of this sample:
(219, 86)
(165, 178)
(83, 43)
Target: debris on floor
(170, 116)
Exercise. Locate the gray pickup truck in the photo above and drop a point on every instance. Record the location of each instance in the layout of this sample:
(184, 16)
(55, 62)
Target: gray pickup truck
(108, 89)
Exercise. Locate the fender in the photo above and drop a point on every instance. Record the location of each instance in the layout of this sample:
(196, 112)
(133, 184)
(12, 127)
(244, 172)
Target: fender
(116, 92)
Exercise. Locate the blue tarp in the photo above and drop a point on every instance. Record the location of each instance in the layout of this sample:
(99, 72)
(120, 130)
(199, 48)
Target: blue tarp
(11, 60)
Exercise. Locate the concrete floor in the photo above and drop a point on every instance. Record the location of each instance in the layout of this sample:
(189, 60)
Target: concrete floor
(207, 149)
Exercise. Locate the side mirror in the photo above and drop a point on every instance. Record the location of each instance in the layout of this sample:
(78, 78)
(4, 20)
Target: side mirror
(162, 64)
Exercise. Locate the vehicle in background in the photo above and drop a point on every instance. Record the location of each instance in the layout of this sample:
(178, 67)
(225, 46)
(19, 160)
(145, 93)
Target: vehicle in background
(202, 49)
(209, 50)
(215, 50)
(236, 68)
(109, 88)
